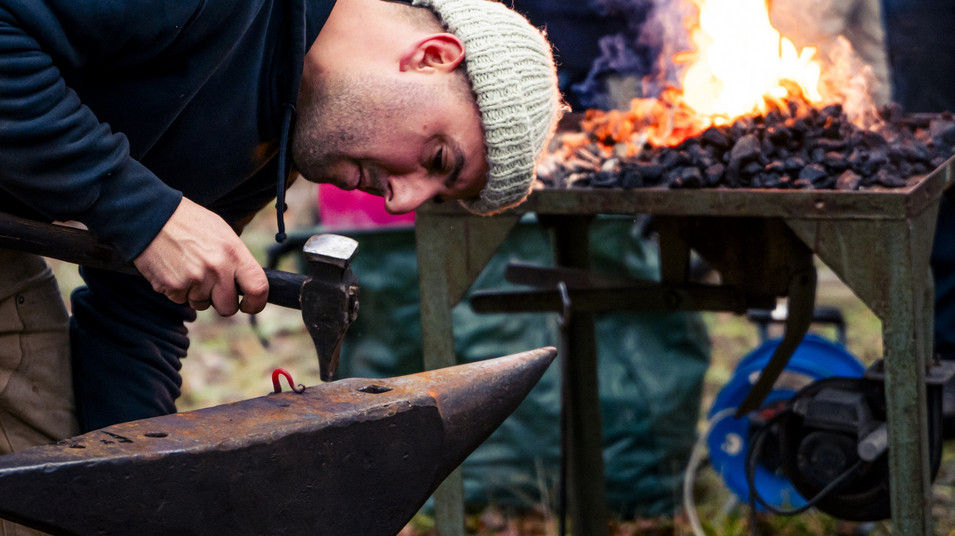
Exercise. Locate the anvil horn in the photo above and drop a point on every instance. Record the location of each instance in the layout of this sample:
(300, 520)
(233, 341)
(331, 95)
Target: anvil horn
(356, 456)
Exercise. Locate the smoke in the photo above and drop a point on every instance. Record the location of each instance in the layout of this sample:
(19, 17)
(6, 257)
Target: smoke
(669, 27)
(636, 62)
(626, 57)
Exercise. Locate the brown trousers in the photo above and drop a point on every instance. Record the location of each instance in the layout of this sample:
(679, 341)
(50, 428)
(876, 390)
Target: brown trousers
(36, 387)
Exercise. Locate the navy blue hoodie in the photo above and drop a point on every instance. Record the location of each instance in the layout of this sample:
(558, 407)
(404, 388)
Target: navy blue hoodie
(111, 110)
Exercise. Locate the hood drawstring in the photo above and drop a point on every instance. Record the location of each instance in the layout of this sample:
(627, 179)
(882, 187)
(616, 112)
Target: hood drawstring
(297, 48)
(283, 171)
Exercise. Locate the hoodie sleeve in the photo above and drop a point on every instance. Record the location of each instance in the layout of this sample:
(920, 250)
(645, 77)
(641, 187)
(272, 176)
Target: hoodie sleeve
(55, 155)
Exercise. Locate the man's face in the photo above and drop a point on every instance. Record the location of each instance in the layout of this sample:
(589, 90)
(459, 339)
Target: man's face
(406, 140)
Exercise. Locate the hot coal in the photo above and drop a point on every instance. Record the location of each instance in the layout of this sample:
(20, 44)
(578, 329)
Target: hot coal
(815, 148)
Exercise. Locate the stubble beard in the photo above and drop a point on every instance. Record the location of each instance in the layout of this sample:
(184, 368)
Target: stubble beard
(328, 124)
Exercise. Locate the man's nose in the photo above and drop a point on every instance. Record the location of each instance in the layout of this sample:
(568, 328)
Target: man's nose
(406, 192)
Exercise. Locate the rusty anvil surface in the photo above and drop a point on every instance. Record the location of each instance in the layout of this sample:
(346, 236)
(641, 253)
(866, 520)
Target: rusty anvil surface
(352, 457)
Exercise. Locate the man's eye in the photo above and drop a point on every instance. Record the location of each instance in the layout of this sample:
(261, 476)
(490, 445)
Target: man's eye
(437, 164)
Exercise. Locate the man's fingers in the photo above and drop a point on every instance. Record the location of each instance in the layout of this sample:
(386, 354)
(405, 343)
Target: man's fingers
(200, 305)
(225, 303)
(199, 296)
(197, 258)
(222, 291)
(251, 279)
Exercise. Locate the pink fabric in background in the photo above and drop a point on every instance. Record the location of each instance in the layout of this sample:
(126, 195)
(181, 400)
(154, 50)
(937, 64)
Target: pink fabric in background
(342, 210)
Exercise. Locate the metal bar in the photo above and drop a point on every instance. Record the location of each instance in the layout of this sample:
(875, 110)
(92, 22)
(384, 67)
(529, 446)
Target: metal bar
(584, 433)
(674, 252)
(647, 298)
(547, 277)
(802, 303)
(62, 242)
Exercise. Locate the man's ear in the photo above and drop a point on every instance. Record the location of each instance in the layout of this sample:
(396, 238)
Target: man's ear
(441, 52)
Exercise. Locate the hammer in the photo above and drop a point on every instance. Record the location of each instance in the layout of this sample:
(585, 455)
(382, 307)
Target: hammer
(327, 295)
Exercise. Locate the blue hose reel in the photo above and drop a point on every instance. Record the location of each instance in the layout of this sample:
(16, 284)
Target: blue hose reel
(729, 438)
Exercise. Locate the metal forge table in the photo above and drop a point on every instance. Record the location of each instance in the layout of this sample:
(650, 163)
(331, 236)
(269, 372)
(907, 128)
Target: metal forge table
(762, 242)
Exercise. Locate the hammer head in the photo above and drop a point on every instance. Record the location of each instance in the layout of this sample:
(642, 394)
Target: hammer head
(329, 297)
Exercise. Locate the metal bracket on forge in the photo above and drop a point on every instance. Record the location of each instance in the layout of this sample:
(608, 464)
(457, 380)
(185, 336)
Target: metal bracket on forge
(801, 309)
(595, 292)
(765, 259)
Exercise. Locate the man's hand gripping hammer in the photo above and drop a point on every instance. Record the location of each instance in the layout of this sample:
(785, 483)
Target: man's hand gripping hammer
(327, 294)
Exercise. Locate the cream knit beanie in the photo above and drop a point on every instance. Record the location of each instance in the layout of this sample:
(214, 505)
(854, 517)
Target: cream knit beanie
(511, 68)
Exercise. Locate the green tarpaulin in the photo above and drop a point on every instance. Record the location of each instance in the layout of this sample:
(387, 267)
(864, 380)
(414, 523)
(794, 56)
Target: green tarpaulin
(651, 367)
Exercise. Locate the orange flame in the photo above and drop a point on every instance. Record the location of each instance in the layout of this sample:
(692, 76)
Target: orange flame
(741, 61)
(740, 65)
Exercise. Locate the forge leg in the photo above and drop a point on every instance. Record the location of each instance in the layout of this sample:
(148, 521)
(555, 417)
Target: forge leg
(583, 433)
(885, 264)
(437, 332)
(907, 344)
(452, 251)
(909, 460)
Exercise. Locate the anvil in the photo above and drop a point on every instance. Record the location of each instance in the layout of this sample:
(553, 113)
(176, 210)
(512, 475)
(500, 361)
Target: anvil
(351, 457)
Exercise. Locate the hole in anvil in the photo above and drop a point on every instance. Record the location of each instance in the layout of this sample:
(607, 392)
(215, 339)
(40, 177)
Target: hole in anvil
(155, 434)
(374, 389)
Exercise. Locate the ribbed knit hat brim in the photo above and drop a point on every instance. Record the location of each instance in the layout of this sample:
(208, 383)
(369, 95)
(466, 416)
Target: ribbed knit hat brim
(511, 69)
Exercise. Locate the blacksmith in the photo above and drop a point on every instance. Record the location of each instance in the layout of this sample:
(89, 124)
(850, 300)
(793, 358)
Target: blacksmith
(165, 126)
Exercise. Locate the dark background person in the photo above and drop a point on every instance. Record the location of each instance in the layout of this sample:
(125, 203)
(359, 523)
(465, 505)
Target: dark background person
(592, 46)
(922, 60)
(921, 53)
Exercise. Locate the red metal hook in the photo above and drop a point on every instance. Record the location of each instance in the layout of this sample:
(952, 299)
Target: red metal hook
(277, 386)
